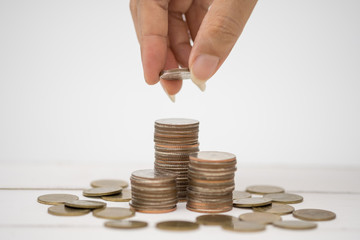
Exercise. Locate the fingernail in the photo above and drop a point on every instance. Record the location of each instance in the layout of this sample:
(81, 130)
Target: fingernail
(203, 68)
(172, 97)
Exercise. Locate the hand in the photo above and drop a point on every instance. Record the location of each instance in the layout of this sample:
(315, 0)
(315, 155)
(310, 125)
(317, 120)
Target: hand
(164, 29)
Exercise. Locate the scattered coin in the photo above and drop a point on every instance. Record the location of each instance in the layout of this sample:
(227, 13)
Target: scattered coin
(113, 213)
(264, 189)
(124, 196)
(284, 197)
(109, 183)
(314, 214)
(87, 204)
(62, 210)
(214, 219)
(175, 74)
(101, 191)
(242, 226)
(260, 217)
(125, 224)
(56, 199)
(275, 208)
(252, 202)
(177, 225)
(240, 195)
(294, 224)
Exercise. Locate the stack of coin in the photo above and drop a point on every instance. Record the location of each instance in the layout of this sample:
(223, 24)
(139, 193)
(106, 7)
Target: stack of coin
(153, 191)
(211, 181)
(175, 139)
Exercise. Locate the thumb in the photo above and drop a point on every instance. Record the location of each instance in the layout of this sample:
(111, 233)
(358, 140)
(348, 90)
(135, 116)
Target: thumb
(217, 35)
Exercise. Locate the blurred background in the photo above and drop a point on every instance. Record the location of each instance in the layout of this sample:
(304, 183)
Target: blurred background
(72, 87)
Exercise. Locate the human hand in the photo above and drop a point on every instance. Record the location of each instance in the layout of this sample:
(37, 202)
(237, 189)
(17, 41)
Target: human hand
(165, 28)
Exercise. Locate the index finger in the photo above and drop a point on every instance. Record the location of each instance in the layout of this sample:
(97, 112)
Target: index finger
(153, 27)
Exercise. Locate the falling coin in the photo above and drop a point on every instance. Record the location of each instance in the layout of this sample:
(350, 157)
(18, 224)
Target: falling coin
(62, 210)
(87, 204)
(284, 197)
(314, 214)
(242, 226)
(260, 217)
(295, 225)
(109, 183)
(125, 224)
(175, 74)
(56, 199)
(214, 219)
(264, 189)
(275, 208)
(101, 191)
(240, 195)
(113, 213)
(251, 202)
(124, 196)
(177, 225)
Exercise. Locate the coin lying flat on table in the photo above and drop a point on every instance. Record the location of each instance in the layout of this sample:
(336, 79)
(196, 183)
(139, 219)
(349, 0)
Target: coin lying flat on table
(124, 196)
(109, 183)
(242, 226)
(125, 224)
(275, 208)
(284, 197)
(264, 189)
(87, 204)
(101, 191)
(177, 225)
(56, 199)
(175, 74)
(62, 210)
(260, 217)
(214, 219)
(314, 214)
(240, 195)
(251, 202)
(113, 213)
(295, 225)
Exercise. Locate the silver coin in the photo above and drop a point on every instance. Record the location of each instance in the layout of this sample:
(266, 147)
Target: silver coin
(175, 74)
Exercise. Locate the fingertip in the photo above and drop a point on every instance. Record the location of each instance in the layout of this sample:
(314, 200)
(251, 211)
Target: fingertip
(171, 87)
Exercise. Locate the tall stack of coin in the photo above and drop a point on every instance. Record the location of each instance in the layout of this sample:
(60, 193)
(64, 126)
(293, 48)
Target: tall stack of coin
(153, 191)
(211, 181)
(175, 139)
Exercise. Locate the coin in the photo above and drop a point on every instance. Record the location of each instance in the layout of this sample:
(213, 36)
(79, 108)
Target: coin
(124, 196)
(240, 195)
(175, 74)
(214, 219)
(264, 189)
(113, 213)
(177, 122)
(275, 208)
(242, 226)
(295, 225)
(260, 217)
(314, 214)
(125, 224)
(109, 183)
(177, 225)
(212, 156)
(56, 199)
(251, 202)
(284, 197)
(101, 191)
(88, 204)
(62, 210)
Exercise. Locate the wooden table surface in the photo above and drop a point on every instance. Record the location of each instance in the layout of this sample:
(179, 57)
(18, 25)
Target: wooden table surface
(332, 188)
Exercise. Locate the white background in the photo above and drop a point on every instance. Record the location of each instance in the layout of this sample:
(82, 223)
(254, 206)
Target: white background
(72, 88)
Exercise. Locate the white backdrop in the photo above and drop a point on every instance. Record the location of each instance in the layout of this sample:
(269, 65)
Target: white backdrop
(71, 86)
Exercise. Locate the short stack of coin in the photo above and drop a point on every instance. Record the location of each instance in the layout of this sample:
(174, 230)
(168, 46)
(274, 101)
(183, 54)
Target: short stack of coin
(211, 181)
(175, 139)
(153, 191)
